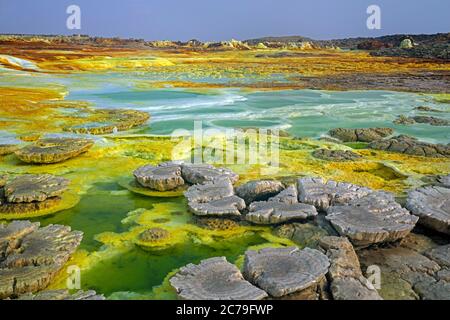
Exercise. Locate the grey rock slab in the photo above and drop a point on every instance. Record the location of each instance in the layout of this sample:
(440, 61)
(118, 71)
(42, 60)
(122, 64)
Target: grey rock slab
(259, 190)
(231, 205)
(322, 193)
(282, 271)
(271, 212)
(160, 178)
(375, 218)
(288, 196)
(31, 187)
(214, 279)
(210, 191)
(201, 173)
(432, 205)
(347, 280)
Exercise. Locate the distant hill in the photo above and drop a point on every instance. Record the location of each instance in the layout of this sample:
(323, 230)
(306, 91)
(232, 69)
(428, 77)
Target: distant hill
(353, 43)
(284, 39)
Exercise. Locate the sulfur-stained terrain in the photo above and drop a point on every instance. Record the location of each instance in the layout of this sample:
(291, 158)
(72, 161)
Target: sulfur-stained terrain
(138, 104)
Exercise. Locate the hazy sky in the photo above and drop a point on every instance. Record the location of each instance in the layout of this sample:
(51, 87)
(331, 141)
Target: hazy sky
(209, 20)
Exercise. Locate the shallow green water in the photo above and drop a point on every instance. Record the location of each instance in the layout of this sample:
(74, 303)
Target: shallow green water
(304, 113)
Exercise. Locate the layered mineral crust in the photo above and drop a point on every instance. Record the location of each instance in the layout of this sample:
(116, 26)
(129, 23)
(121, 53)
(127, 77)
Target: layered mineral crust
(231, 206)
(214, 279)
(53, 150)
(432, 205)
(29, 194)
(281, 208)
(161, 178)
(360, 135)
(375, 218)
(259, 190)
(110, 120)
(30, 256)
(201, 173)
(30, 187)
(323, 194)
(363, 215)
(171, 175)
(283, 271)
(412, 146)
(347, 280)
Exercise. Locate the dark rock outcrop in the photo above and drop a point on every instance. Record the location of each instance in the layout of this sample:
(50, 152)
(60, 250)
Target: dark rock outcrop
(361, 135)
(412, 146)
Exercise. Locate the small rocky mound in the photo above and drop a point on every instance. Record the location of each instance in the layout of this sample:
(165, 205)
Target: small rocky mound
(62, 295)
(259, 190)
(431, 120)
(30, 257)
(214, 279)
(345, 276)
(336, 155)
(201, 173)
(412, 146)
(6, 149)
(432, 205)
(322, 194)
(217, 224)
(28, 194)
(281, 208)
(160, 178)
(360, 135)
(107, 121)
(404, 120)
(282, 271)
(374, 218)
(53, 150)
(154, 234)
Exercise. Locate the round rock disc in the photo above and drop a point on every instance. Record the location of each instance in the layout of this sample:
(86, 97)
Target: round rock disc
(214, 279)
(281, 271)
